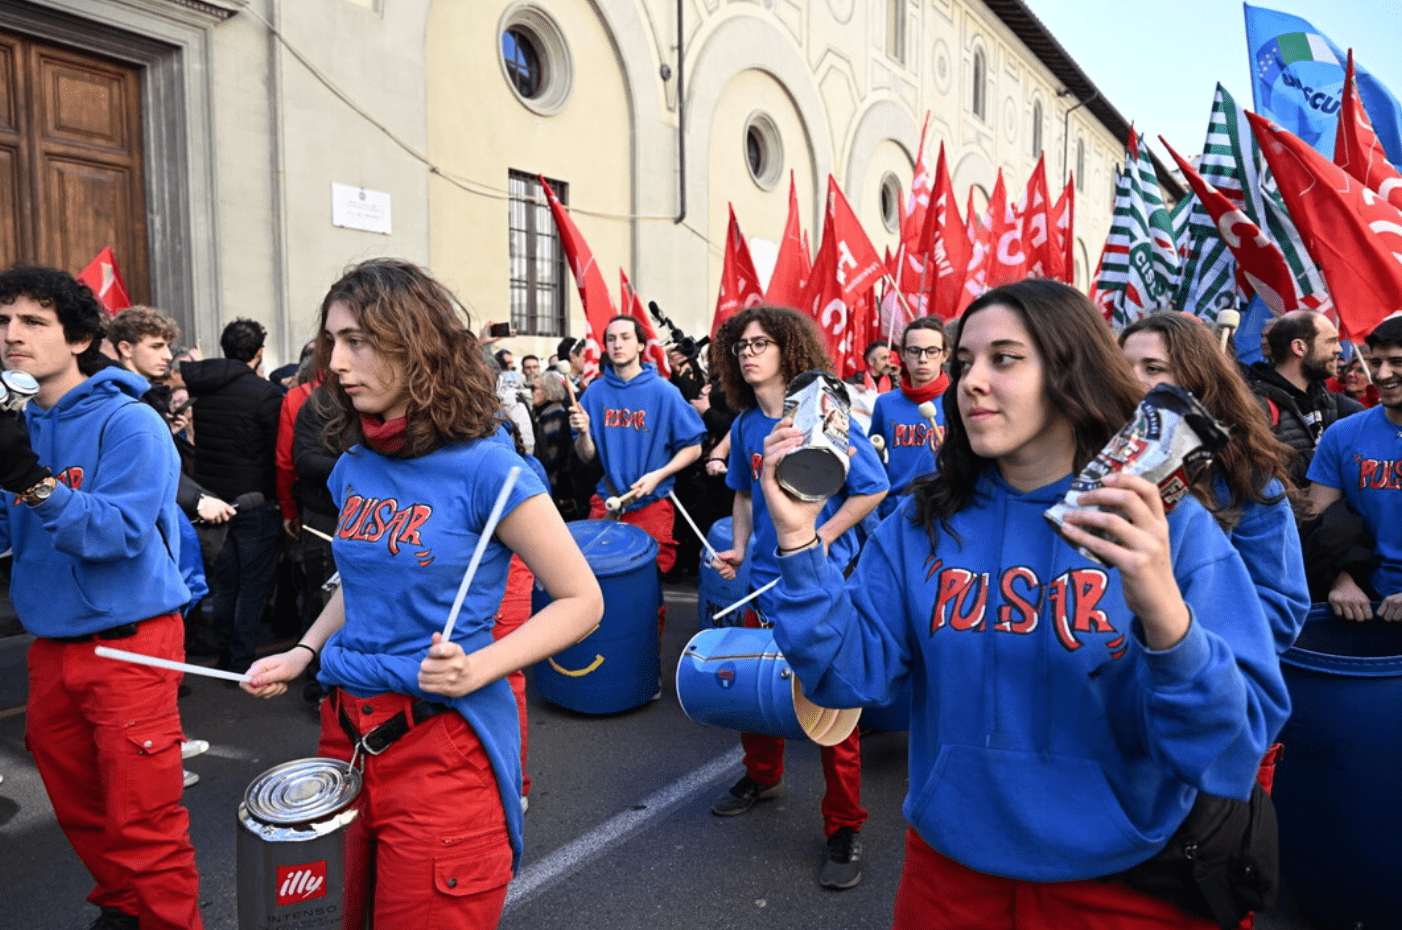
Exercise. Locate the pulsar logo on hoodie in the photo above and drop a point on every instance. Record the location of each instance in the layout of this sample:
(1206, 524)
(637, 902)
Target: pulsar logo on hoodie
(1378, 474)
(623, 418)
(961, 603)
(372, 519)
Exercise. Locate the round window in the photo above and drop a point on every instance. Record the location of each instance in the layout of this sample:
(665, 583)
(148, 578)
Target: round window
(891, 203)
(764, 150)
(535, 59)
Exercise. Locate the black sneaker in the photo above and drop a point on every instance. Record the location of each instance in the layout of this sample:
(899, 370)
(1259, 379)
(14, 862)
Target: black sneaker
(746, 793)
(843, 866)
(113, 919)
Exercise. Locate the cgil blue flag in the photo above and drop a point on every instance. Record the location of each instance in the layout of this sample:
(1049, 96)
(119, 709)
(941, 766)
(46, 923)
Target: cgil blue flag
(1297, 79)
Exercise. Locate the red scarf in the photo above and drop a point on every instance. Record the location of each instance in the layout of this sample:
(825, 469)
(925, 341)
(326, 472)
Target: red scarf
(384, 436)
(919, 395)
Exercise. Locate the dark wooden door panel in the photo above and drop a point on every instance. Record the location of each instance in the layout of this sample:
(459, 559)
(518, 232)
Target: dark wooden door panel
(10, 242)
(86, 207)
(83, 105)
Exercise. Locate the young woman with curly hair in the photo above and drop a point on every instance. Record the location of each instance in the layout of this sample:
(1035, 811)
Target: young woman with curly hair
(756, 353)
(1247, 486)
(415, 406)
(1067, 711)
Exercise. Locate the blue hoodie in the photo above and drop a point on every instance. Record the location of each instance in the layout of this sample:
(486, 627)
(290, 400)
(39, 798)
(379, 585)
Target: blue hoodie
(1047, 743)
(103, 550)
(637, 426)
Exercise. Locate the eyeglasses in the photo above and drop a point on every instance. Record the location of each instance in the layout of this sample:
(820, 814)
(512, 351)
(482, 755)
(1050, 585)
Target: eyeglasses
(755, 346)
(915, 352)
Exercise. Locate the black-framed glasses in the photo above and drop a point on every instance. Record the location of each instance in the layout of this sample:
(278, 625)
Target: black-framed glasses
(755, 346)
(915, 352)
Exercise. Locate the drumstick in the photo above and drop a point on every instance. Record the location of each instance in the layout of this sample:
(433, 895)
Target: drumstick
(615, 504)
(744, 600)
(878, 442)
(1227, 322)
(694, 528)
(332, 582)
(491, 527)
(318, 533)
(140, 659)
(927, 410)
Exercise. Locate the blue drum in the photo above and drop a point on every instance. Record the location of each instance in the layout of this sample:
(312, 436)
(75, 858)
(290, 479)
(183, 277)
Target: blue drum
(617, 666)
(714, 593)
(1336, 788)
(736, 678)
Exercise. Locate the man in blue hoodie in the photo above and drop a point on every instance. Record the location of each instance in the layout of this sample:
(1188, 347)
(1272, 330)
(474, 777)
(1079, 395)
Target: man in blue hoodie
(643, 432)
(90, 475)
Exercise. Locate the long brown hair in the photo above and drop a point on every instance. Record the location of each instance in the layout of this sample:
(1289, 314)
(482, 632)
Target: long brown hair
(796, 336)
(1253, 455)
(1087, 380)
(412, 320)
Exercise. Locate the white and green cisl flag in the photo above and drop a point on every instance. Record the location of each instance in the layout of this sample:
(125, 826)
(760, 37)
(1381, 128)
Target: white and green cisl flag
(1139, 267)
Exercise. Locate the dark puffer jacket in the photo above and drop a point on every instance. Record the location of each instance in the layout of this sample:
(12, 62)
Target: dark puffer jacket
(1290, 413)
(236, 422)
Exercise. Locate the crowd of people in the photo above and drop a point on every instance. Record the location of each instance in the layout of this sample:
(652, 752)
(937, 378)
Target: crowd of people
(1078, 697)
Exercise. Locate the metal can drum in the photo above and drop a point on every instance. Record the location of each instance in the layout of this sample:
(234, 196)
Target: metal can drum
(819, 407)
(291, 847)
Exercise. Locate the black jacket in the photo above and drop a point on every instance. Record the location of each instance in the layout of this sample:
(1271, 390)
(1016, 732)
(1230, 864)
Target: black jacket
(1299, 419)
(236, 420)
(310, 456)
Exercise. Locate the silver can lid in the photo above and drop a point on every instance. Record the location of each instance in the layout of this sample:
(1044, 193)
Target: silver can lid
(302, 791)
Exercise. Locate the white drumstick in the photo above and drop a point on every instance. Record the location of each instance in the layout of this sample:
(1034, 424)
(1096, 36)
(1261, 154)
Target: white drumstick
(694, 528)
(187, 668)
(318, 533)
(491, 527)
(744, 600)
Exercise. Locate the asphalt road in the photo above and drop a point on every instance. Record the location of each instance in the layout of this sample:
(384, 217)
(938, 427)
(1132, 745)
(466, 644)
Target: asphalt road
(618, 834)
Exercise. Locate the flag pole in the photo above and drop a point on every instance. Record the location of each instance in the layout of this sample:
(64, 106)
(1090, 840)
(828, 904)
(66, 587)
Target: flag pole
(905, 307)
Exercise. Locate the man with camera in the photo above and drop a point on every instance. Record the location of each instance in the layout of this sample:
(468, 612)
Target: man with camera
(90, 475)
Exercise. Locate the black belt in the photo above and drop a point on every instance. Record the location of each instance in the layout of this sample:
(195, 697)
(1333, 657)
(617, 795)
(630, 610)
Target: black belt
(385, 735)
(116, 632)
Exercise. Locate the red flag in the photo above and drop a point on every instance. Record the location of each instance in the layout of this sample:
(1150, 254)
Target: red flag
(593, 290)
(652, 351)
(1040, 237)
(946, 245)
(106, 282)
(739, 283)
(981, 237)
(1354, 235)
(858, 265)
(1064, 219)
(1007, 256)
(1259, 259)
(823, 302)
(918, 203)
(792, 266)
(1356, 146)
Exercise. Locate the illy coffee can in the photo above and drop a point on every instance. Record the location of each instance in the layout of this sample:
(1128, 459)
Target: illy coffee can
(820, 409)
(291, 847)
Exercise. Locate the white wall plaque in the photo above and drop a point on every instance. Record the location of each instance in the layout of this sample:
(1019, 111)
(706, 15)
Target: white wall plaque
(359, 208)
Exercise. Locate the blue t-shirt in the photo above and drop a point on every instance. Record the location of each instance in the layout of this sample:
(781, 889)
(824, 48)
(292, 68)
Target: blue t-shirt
(864, 476)
(638, 426)
(910, 443)
(1361, 455)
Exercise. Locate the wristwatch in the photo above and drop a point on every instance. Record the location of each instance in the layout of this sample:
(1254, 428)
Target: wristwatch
(40, 492)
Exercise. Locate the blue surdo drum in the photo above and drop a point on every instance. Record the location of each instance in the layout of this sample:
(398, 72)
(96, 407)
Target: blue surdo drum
(1338, 793)
(617, 666)
(714, 593)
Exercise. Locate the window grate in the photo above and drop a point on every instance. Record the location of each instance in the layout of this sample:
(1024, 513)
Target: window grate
(539, 300)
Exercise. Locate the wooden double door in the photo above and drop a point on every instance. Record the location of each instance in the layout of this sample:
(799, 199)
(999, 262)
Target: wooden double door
(71, 178)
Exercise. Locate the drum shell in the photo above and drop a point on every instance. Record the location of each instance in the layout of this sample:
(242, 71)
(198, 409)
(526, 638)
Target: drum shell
(736, 678)
(617, 666)
(294, 875)
(818, 405)
(714, 593)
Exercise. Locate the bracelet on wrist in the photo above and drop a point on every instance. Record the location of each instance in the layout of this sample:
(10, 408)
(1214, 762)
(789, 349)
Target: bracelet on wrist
(808, 545)
(315, 654)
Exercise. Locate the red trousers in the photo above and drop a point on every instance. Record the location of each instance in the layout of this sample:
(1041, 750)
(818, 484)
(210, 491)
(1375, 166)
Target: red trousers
(842, 769)
(655, 519)
(516, 610)
(430, 815)
(106, 739)
(937, 893)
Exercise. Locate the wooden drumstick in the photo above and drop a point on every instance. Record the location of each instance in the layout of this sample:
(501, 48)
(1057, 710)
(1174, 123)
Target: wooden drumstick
(878, 442)
(615, 504)
(491, 527)
(1227, 323)
(927, 410)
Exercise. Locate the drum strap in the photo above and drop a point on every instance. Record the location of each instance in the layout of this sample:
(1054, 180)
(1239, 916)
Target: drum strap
(386, 734)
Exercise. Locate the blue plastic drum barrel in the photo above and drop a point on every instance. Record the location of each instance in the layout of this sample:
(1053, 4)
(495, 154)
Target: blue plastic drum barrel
(616, 667)
(714, 593)
(1337, 790)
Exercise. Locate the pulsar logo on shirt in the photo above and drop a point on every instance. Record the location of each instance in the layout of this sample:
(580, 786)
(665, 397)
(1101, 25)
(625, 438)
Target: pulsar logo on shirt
(961, 603)
(756, 465)
(297, 883)
(623, 418)
(916, 434)
(1378, 474)
(371, 519)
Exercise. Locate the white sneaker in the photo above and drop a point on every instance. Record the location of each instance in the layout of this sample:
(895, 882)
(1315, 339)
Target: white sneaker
(525, 803)
(193, 747)
(191, 778)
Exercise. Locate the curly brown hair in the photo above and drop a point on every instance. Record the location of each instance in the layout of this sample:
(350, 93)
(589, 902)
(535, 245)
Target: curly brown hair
(413, 321)
(1253, 455)
(137, 322)
(799, 341)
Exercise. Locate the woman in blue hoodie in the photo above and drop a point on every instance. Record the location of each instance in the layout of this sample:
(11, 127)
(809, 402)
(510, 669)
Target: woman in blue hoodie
(416, 409)
(1065, 714)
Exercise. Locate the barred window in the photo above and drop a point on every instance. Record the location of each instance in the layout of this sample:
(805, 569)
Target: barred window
(539, 299)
